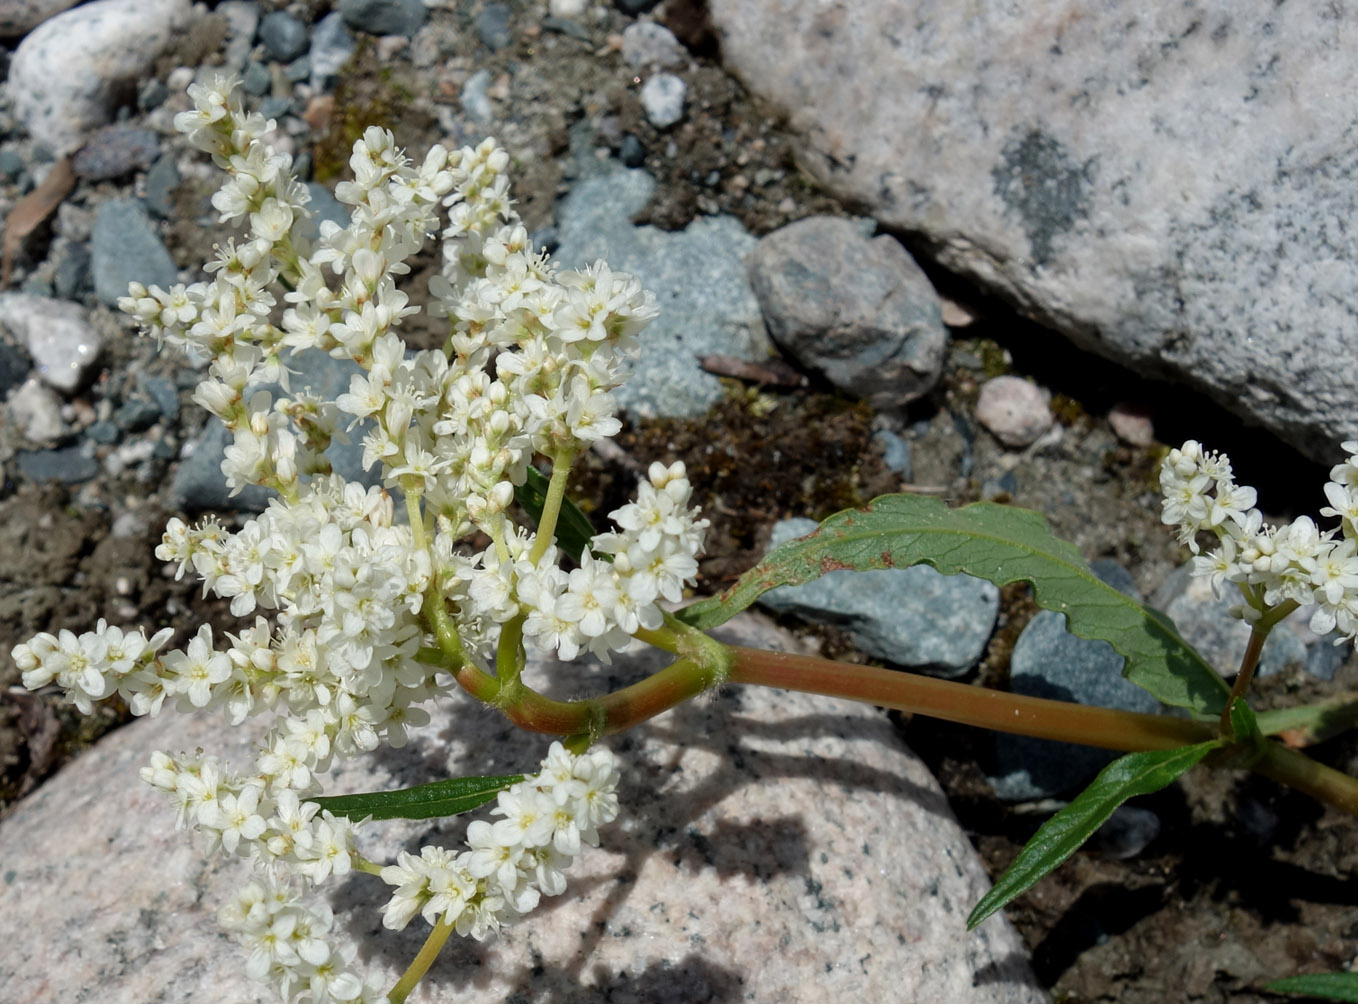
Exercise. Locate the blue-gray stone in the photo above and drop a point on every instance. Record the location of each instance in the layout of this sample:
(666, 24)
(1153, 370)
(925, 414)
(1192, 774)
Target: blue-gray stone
(1324, 658)
(632, 153)
(912, 617)
(566, 26)
(1127, 832)
(492, 26)
(275, 108)
(699, 280)
(136, 415)
(103, 432)
(124, 248)
(331, 46)
(165, 394)
(323, 206)
(298, 70)
(161, 181)
(895, 453)
(1048, 661)
(384, 17)
(71, 277)
(152, 95)
(114, 151)
(635, 7)
(284, 37)
(70, 465)
(256, 79)
(198, 483)
(14, 367)
(11, 163)
(475, 98)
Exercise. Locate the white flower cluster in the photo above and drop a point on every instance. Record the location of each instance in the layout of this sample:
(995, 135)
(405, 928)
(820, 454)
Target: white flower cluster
(511, 863)
(1296, 564)
(351, 595)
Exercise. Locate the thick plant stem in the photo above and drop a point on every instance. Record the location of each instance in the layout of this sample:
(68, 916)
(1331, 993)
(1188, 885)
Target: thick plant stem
(1291, 768)
(551, 507)
(428, 953)
(957, 702)
(1248, 663)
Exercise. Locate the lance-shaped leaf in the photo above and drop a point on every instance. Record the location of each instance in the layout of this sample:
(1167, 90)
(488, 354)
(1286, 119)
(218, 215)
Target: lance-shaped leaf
(1334, 986)
(1059, 837)
(997, 543)
(574, 531)
(425, 801)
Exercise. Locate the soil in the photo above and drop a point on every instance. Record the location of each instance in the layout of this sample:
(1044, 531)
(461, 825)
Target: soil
(1246, 881)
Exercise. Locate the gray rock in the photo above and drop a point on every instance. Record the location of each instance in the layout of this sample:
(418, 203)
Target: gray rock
(104, 433)
(1205, 622)
(492, 26)
(35, 410)
(697, 275)
(1016, 411)
(71, 277)
(58, 334)
(242, 21)
(474, 97)
(331, 47)
(165, 394)
(1163, 188)
(647, 45)
(323, 206)
(256, 80)
(275, 108)
(11, 163)
(1127, 832)
(70, 465)
(916, 617)
(136, 415)
(67, 70)
(662, 98)
(632, 153)
(856, 309)
(298, 70)
(14, 366)
(1048, 661)
(284, 37)
(635, 7)
(383, 17)
(198, 483)
(161, 181)
(114, 151)
(757, 825)
(151, 95)
(895, 453)
(19, 17)
(124, 248)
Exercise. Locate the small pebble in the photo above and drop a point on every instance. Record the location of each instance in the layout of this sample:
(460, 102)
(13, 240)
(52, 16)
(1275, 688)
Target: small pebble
(136, 415)
(567, 8)
(331, 46)
(632, 153)
(14, 367)
(1127, 832)
(165, 394)
(635, 7)
(35, 411)
(159, 186)
(256, 79)
(492, 26)
(125, 247)
(284, 37)
(1015, 411)
(104, 433)
(1132, 423)
(71, 277)
(662, 96)
(383, 17)
(58, 334)
(71, 465)
(114, 151)
(474, 97)
(646, 44)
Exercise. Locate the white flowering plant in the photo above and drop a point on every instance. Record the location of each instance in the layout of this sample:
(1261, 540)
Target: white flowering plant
(371, 601)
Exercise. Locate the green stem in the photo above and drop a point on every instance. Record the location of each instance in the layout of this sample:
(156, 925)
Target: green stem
(1287, 766)
(1249, 662)
(428, 953)
(551, 506)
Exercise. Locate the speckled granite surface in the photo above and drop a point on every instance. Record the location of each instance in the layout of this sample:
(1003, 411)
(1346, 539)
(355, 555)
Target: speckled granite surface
(1167, 183)
(773, 847)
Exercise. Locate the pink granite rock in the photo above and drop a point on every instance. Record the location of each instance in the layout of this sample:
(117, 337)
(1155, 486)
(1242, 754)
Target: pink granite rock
(773, 847)
(1015, 411)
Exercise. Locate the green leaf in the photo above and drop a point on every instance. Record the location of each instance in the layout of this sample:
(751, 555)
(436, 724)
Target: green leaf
(1244, 723)
(1059, 837)
(1311, 723)
(574, 531)
(425, 801)
(1003, 545)
(1335, 986)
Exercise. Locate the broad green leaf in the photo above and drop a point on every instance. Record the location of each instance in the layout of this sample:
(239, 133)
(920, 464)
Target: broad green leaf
(1059, 837)
(1003, 545)
(1335, 986)
(1311, 723)
(574, 531)
(425, 801)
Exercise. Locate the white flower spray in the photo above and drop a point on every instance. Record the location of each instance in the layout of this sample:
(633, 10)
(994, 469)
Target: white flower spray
(339, 585)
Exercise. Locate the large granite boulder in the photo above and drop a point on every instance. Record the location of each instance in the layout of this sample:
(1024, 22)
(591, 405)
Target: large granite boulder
(772, 847)
(1168, 184)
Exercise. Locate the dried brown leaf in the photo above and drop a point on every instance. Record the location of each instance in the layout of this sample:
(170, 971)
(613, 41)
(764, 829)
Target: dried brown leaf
(31, 210)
